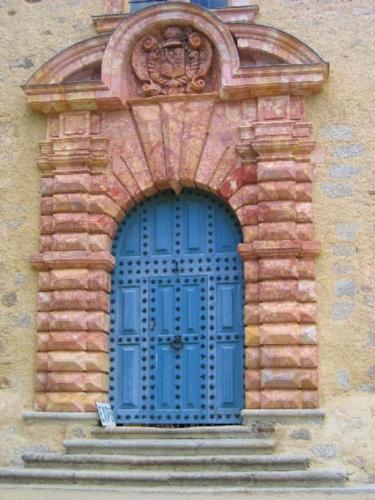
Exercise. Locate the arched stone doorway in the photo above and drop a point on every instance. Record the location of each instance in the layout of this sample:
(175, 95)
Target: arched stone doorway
(177, 313)
(232, 122)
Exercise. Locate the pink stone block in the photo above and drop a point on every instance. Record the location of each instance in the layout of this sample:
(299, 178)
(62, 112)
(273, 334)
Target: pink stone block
(102, 223)
(247, 195)
(69, 241)
(44, 301)
(304, 212)
(40, 382)
(283, 334)
(252, 335)
(279, 312)
(281, 170)
(276, 211)
(309, 399)
(68, 320)
(275, 191)
(100, 243)
(251, 292)
(45, 243)
(250, 233)
(309, 379)
(97, 321)
(309, 356)
(46, 224)
(252, 399)
(44, 281)
(308, 334)
(278, 290)
(296, 107)
(77, 202)
(61, 279)
(252, 358)
(97, 341)
(96, 382)
(248, 215)
(41, 362)
(280, 356)
(306, 269)
(42, 321)
(99, 280)
(67, 341)
(307, 291)
(97, 362)
(277, 231)
(72, 183)
(280, 399)
(304, 191)
(280, 379)
(271, 269)
(40, 401)
(304, 171)
(65, 401)
(102, 204)
(71, 222)
(47, 205)
(308, 312)
(42, 341)
(47, 186)
(252, 380)
(66, 382)
(251, 271)
(66, 361)
(273, 107)
(251, 314)
(305, 232)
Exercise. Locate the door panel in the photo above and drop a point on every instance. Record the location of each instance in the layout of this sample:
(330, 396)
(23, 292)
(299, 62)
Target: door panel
(176, 339)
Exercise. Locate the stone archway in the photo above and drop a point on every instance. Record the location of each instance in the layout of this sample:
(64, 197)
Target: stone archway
(241, 134)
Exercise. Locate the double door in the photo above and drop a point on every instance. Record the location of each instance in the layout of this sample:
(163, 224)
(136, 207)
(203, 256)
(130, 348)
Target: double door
(177, 329)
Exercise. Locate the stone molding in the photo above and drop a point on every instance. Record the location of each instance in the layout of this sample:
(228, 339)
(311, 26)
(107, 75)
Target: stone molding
(252, 151)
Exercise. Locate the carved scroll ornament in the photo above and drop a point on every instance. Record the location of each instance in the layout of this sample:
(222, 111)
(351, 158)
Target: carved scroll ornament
(174, 61)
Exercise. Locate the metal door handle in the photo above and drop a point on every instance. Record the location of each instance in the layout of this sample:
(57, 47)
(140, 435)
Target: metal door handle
(175, 268)
(177, 342)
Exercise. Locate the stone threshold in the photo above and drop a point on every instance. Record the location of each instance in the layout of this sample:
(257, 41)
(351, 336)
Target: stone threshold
(291, 417)
(249, 416)
(55, 416)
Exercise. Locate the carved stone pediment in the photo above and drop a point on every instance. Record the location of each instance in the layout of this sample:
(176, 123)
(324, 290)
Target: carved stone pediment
(175, 60)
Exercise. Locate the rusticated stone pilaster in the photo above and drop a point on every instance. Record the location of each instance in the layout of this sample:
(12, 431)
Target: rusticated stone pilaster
(278, 252)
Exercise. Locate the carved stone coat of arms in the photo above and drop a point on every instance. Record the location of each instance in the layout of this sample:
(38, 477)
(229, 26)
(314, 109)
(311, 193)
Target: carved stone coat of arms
(174, 61)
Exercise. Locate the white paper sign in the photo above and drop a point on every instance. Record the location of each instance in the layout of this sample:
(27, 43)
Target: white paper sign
(106, 416)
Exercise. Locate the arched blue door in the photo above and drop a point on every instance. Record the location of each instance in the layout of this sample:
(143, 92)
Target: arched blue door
(177, 307)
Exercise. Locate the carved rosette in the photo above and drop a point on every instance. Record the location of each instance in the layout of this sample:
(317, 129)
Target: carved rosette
(173, 61)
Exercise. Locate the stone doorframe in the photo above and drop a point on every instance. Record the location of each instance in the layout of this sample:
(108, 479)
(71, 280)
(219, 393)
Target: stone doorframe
(118, 131)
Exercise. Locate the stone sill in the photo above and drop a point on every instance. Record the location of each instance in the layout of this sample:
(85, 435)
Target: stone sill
(288, 417)
(52, 416)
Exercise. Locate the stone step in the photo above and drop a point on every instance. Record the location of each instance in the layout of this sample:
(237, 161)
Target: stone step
(230, 463)
(187, 479)
(204, 432)
(170, 446)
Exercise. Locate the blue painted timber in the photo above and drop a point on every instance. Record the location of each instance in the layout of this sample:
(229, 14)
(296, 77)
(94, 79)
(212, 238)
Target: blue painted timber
(176, 342)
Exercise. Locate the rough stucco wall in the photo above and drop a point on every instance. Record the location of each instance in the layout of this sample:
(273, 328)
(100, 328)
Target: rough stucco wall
(31, 33)
(342, 32)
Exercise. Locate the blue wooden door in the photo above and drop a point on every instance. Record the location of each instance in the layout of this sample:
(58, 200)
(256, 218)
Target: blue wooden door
(176, 345)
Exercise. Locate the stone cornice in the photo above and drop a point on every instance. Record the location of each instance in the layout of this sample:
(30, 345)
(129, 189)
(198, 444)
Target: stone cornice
(286, 66)
(73, 152)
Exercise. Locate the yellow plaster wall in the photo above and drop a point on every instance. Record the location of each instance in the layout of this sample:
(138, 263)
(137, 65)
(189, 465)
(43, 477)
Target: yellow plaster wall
(342, 32)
